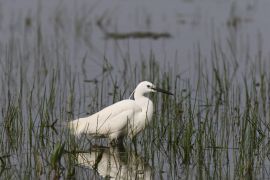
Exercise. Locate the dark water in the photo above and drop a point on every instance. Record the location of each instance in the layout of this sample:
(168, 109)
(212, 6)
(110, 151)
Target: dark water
(241, 26)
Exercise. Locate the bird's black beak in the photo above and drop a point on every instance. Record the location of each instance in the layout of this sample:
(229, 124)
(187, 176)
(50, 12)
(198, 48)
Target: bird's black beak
(162, 90)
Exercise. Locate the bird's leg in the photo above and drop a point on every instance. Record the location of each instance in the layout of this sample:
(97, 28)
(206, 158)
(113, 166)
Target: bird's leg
(117, 142)
(113, 143)
(134, 142)
(120, 146)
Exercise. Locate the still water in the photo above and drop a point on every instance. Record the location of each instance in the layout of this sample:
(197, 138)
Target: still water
(83, 39)
(237, 27)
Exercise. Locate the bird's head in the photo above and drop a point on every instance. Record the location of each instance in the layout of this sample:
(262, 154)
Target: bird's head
(147, 87)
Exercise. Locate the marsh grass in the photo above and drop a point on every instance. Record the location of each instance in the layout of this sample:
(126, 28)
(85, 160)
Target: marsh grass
(216, 126)
(216, 129)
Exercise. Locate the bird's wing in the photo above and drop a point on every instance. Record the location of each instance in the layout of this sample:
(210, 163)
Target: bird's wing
(112, 117)
(117, 108)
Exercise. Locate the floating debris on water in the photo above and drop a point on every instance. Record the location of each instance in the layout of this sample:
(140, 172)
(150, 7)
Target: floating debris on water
(138, 35)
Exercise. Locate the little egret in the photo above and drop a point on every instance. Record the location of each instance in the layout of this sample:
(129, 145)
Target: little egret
(126, 117)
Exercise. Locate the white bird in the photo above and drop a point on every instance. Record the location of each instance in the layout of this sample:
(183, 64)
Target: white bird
(126, 117)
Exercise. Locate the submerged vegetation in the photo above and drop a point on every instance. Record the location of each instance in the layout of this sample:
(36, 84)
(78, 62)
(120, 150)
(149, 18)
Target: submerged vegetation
(216, 126)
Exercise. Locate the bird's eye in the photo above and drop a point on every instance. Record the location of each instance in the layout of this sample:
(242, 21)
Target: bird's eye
(148, 86)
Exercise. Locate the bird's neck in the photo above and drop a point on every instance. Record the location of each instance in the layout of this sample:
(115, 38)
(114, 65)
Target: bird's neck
(145, 103)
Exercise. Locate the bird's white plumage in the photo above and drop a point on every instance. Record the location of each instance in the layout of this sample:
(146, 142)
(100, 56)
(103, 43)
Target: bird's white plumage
(126, 117)
(110, 121)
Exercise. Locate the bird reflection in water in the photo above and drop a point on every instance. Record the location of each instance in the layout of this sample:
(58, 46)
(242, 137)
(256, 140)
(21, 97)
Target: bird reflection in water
(115, 162)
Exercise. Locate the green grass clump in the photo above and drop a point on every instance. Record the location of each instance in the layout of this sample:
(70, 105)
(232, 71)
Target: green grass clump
(216, 126)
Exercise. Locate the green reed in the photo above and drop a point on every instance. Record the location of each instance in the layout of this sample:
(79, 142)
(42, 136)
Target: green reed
(216, 126)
